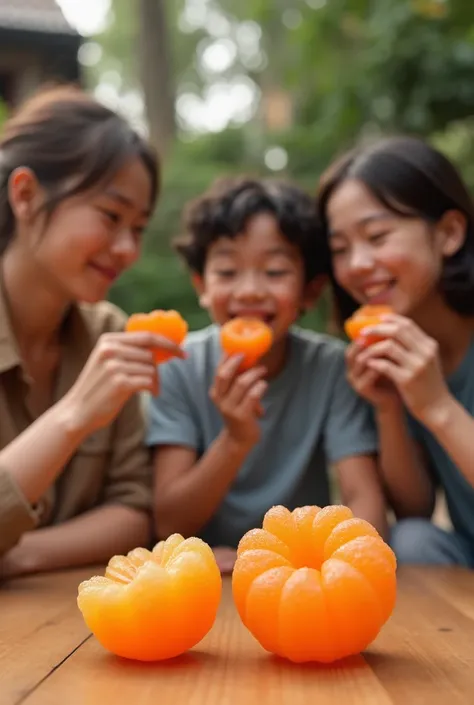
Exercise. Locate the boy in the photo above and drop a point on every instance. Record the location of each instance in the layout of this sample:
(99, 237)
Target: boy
(229, 445)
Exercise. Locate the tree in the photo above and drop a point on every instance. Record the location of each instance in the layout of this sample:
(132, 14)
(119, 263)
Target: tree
(156, 73)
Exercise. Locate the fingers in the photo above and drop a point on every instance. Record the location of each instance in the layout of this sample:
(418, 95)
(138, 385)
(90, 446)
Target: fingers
(132, 376)
(139, 340)
(403, 330)
(249, 384)
(225, 375)
(388, 349)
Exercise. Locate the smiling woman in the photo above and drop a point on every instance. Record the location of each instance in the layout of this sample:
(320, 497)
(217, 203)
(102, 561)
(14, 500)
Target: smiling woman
(77, 187)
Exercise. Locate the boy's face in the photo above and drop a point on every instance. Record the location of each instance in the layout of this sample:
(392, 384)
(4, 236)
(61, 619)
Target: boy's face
(259, 274)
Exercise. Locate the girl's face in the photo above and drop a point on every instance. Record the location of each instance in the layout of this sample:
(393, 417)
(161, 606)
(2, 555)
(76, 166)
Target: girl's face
(90, 239)
(380, 257)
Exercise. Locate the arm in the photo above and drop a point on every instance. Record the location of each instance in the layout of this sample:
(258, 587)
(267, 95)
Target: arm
(410, 359)
(120, 365)
(187, 490)
(361, 490)
(37, 456)
(29, 465)
(91, 538)
(122, 522)
(405, 474)
(187, 493)
(352, 445)
(453, 427)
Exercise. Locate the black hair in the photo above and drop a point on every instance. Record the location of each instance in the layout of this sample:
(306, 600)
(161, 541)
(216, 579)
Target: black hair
(72, 144)
(412, 179)
(226, 208)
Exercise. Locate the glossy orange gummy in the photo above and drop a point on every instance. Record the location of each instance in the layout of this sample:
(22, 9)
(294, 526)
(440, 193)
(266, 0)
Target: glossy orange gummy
(154, 605)
(314, 584)
(249, 337)
(168, 324)
(363, 317)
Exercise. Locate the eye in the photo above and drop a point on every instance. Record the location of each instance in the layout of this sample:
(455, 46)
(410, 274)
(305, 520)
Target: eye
(338, 250)
(226, 273)
(378, 237)
(274, 273)
(111, 216)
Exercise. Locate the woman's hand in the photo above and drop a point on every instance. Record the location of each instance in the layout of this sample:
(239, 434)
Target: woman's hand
(409, 359)
(120, 365)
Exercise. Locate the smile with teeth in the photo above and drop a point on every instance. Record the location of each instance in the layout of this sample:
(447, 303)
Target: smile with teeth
(377, 289)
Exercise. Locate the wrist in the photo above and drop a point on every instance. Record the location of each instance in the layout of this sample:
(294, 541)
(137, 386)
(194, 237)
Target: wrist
(389, 408)
(71, 421)
(234, 446)
(438, 416)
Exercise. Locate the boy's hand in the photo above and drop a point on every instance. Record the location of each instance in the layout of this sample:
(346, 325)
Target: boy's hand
(238, 398)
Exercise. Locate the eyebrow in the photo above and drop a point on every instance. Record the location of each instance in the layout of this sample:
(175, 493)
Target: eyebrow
(229, 250)
(365, 221)
(124, 200)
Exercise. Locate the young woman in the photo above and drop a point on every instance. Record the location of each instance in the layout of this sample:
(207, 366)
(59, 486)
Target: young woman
(399, 224)
(77, 187)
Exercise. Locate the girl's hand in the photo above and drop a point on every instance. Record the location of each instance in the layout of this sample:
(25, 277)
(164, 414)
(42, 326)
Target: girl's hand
(368, 383)
(120, 365)
(409, 359)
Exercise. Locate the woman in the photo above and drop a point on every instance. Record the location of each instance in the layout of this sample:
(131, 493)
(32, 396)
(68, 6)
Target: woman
(77, 188)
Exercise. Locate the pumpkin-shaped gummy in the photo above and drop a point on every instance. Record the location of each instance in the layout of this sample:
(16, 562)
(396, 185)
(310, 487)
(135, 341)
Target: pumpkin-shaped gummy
(314, 584)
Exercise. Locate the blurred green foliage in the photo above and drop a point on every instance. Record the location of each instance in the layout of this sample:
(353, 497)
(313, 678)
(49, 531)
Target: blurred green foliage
(351, 68)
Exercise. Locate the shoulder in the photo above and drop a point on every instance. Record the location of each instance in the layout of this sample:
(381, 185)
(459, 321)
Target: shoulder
(201, 339)
(102, 317)
(313, 346)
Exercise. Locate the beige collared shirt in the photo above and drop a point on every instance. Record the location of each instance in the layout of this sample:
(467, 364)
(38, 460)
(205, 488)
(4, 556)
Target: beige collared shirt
(110, 466)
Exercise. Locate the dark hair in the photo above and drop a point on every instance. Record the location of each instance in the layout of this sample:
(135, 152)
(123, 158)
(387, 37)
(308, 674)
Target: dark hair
(72, 143)
(410, 178)
(224, 211)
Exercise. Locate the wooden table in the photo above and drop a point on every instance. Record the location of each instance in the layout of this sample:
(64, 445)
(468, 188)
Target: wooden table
(425, 654)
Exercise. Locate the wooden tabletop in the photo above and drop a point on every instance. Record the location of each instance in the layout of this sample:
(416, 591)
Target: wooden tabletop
(425, 654)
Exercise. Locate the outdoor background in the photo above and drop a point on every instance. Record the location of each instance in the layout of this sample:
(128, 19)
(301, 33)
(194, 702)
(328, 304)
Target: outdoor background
(269, 87)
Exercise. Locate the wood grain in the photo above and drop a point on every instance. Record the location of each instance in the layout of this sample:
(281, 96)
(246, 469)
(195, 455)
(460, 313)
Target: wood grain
(39, 627)
(423, 655)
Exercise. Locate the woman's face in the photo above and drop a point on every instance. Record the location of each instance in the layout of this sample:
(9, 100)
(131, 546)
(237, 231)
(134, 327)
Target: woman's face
(91, 238)
(380, 257)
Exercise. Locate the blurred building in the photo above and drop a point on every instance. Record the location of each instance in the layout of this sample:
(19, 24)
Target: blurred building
(37, 45)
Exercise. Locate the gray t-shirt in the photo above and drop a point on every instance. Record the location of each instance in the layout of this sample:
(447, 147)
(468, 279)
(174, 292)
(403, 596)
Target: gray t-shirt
(459, 493)
(312, 418)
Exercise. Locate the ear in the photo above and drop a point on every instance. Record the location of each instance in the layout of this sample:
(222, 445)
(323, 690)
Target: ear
(453, 227)
(313, 291)
(24, 193)
(200, 289)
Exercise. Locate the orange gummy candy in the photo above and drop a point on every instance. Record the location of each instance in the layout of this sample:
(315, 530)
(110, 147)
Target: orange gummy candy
(154, 605)
(168, 324)
(314, 584)
(249, 337)
(363, 317)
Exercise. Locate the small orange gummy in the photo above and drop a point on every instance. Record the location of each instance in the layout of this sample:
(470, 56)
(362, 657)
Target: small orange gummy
(314, 584)
(249, 337)
(154, 605)
(363, 317)
(168, 324)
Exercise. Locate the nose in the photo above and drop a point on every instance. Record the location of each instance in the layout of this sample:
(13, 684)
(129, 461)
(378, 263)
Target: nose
(125, 245)
(249, 286)
(361, 259)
